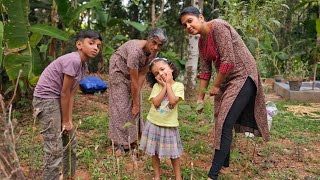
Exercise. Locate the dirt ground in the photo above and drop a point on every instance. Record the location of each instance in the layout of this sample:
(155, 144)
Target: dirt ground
(293, 158)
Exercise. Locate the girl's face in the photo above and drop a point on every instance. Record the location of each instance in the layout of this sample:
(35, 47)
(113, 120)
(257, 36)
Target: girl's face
(161, 70)
(192, 23)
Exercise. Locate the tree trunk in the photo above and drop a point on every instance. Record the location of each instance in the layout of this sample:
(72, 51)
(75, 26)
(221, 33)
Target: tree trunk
(154, 18)
(192, 62)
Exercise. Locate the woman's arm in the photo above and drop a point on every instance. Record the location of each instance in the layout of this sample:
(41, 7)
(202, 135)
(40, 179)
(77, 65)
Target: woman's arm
(142, 76)
(134, 76)
(217, 82)
(202, 88)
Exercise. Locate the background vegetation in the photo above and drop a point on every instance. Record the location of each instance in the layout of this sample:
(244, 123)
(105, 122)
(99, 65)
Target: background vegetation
(35, 32)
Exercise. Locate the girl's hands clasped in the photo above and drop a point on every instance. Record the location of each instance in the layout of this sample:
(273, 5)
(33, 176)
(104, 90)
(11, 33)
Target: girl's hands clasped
(161, 80)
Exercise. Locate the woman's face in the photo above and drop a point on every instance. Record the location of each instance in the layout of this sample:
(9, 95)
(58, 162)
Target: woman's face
(192, 23)
(154, 45)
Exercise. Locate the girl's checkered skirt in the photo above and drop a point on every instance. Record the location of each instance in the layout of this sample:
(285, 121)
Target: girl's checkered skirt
(163, 141)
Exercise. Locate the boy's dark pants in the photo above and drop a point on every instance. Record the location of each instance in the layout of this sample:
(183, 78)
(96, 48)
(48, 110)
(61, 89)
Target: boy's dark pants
(56, 144)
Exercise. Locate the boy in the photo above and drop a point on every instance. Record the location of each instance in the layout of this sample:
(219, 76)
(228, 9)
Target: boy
(53, 103)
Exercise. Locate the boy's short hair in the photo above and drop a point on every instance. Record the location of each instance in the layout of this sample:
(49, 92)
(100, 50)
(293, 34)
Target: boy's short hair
(88, 34)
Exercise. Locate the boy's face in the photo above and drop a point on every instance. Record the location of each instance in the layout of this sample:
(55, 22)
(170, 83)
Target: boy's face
(90, 48)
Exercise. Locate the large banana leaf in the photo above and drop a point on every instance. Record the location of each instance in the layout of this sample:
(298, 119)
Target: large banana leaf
(63, 9)
(102, 16)
(35, 39)
(69, 14)
(50, 31)
(36, 67)
(300, 5)
(16, 30)
(14, 62)
(140, 27)
(318, 27)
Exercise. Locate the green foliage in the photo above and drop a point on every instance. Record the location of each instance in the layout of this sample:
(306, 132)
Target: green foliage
(1, 39)
(172, 56)
(16, 29)
(296, 70)
(258, 22)
(49, 31)
(136, 25)
(14, 62)
(70, 14)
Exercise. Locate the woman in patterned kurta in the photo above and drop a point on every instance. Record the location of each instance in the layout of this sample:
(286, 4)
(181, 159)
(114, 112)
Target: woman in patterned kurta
(128, 67)
(237, 90)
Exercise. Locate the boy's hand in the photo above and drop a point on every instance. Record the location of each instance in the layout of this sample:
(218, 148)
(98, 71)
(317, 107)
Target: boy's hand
(67, 126)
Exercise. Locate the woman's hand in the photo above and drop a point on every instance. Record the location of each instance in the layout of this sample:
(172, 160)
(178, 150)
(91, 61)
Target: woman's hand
(214, 91)
(200, 106)
(135, 110)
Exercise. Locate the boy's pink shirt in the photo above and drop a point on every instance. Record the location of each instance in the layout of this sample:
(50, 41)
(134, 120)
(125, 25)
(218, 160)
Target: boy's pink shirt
(51, 79)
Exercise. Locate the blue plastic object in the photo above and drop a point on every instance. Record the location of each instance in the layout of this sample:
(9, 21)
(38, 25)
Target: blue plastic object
(92, 84)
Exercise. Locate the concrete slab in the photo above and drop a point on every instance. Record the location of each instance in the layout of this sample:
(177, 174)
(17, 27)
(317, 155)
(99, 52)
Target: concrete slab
(306, 93)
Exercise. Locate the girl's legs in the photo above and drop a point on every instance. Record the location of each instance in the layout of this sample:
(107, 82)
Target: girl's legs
(176, 168)
(247, 92)
(156, 167)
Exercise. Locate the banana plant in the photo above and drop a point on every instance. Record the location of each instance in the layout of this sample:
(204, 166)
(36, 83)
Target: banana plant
(20, 49)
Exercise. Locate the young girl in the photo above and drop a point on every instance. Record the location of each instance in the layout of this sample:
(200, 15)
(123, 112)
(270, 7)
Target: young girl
(160, 137)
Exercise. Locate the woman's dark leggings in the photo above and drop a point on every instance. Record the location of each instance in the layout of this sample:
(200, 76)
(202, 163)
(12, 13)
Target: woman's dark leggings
(245, 98)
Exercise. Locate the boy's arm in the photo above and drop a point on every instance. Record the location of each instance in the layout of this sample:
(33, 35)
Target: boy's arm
(159, 98)
(73, 93)
(65, 98)
(173, 99)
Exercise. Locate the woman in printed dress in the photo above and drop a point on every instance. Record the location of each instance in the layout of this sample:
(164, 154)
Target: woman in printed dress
(237, 90)
(128, 67)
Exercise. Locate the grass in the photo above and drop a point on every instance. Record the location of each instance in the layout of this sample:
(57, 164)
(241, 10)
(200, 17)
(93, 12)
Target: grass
(290, 136)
